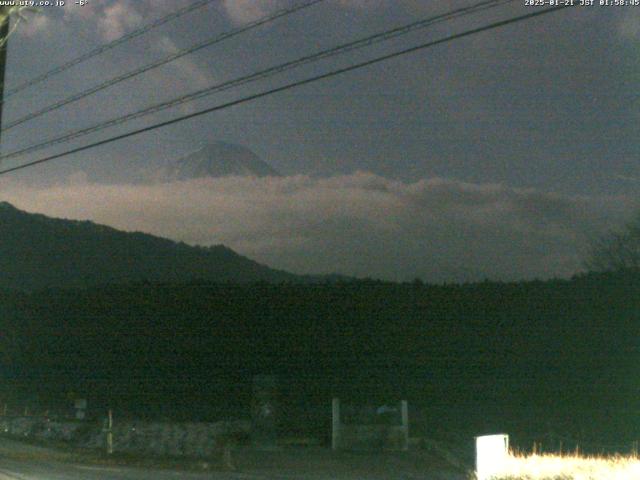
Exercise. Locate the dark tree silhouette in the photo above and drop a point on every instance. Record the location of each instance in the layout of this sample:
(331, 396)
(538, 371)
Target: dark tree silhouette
(617, 250)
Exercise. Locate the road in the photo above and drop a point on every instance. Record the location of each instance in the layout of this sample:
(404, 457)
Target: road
(19, 461)
(37, 470)
(46, 470)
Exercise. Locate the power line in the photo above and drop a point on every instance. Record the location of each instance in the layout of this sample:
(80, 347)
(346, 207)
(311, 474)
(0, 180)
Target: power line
(340, 49)
(108, 46)
(159, 63)
(289, 86)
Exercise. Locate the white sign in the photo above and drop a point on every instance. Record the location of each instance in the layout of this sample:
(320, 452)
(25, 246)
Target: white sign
(491, 455)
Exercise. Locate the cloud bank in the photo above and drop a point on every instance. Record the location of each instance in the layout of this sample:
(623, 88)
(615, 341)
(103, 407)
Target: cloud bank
(358, 224)
(244, 11)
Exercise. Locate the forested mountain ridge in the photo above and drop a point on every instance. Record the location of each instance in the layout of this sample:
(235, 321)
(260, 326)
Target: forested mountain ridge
(37, 252)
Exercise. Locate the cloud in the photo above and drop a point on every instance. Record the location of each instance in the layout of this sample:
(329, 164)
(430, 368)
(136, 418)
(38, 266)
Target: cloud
(33, 24)
(362, 4)
(188, 72)
(629, 25)
(112, 18)
(118, 18)
(359, 224)
(244, 11)
(627, 178)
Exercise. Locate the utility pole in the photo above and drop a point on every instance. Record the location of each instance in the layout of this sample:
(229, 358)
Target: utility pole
(4, 39)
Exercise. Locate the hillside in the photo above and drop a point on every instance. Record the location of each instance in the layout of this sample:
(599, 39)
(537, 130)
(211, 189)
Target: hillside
(41, 252)
(527, 358)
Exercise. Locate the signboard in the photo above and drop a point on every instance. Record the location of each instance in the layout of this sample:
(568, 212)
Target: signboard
(492, 452)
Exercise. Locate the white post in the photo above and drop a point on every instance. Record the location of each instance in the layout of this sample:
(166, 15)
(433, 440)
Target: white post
(110, 433)
(335, 423)
(491, 455)
(404, 410)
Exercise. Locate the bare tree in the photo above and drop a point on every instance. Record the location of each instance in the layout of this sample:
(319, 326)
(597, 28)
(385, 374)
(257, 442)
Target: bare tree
(16, 12)
(617, 250)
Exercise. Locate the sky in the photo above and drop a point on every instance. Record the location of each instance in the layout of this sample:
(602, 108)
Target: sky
(496, 156)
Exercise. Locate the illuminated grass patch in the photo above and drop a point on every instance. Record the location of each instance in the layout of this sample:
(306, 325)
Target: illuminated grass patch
(569, 467)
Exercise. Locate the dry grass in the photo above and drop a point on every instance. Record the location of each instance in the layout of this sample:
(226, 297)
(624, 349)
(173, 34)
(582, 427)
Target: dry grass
(570, 467)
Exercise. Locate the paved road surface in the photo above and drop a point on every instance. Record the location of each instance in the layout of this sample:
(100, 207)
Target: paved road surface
(32, 470)
(19, 461)
(46, 470)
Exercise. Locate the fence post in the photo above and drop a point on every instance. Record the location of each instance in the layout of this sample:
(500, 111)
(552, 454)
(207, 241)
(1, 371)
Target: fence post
(491, 455)
(110, 433)
(335, 423)
(265, 412)
(404, 410)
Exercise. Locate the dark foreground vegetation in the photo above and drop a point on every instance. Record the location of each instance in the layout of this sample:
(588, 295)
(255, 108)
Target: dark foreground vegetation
(533, 359)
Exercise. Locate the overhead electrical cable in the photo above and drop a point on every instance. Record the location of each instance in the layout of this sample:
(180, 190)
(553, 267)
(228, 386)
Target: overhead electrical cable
(158, 63)
(107, 46)
(290, 86)
(260, 75)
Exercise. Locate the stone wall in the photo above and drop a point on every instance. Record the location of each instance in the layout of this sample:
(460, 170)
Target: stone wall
(196, 440)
